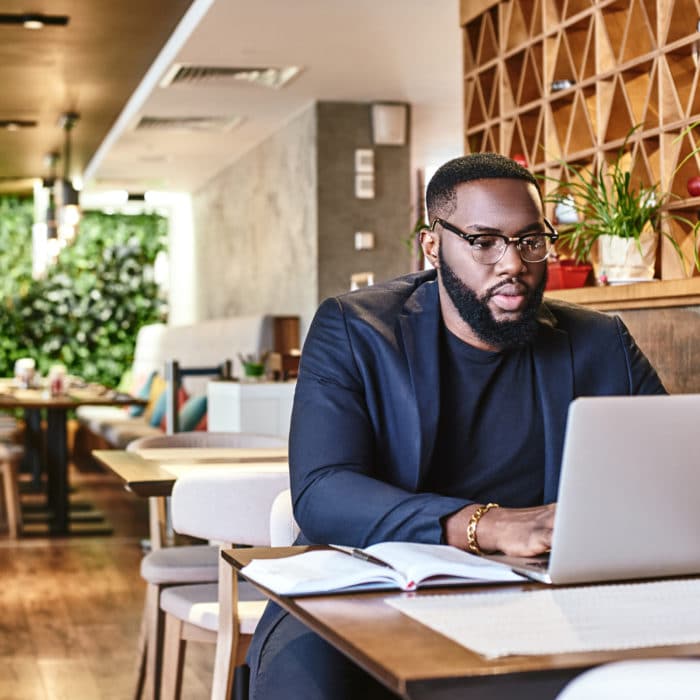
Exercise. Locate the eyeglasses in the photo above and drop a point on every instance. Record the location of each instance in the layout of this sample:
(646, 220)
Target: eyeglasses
(489, 248)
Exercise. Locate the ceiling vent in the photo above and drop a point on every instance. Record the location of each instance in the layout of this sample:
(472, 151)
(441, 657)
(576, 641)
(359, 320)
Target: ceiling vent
(188, 74)
(198, 124)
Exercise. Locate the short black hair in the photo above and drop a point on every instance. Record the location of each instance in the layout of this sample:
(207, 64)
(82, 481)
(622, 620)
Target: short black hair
(441, 199)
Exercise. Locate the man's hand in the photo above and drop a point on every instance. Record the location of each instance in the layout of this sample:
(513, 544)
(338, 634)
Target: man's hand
(518, 532)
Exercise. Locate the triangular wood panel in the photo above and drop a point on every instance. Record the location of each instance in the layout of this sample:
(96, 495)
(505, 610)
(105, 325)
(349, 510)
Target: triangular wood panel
(620, 122)
(683, 67)
(649, 7)
(680, 21)
(508, 129)
(517, 31)
(536, 18)
(477, 111)
(615, 20)
(552, 142)
(577, 35)
(518, 145)
(561, 114)
(637, 84)
(693, 112)
(590, 102)
(530, 88)
(514, 73)
(531, 126)
(605, 53)
(581, 136)
(488, 48)
(563, 64)
(472, 39)
(488, 81)
(640, 174)
(639, 36)
(553, 12)
(652, 155)
(669, 103)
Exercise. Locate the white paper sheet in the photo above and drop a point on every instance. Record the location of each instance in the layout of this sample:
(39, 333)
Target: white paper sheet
(560, 620)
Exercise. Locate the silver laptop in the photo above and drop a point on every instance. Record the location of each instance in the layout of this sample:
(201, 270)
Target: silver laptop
(629, 493)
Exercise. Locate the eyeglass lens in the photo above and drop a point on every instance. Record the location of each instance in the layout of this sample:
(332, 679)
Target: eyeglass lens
(488, 249)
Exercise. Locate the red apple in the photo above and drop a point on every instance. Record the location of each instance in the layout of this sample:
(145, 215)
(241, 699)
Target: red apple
(520, 159)
(694, 186)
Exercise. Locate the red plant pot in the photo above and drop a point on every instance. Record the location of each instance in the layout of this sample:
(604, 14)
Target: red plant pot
(567, 274)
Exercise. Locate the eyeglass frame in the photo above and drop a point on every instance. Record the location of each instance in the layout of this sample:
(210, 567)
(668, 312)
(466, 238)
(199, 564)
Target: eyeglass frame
(517, 240)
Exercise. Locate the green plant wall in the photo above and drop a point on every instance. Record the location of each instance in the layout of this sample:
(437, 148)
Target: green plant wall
(88, 309)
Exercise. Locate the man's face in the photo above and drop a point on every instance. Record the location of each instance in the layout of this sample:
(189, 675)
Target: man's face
(498, 302)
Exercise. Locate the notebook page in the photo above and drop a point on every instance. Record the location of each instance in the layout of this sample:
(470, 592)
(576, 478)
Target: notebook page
(562, 620)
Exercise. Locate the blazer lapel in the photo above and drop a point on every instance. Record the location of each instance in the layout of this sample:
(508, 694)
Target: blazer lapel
(420, 330)
(555, 380)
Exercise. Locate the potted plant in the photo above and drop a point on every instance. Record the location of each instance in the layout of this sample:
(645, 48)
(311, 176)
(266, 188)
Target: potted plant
(616, 213)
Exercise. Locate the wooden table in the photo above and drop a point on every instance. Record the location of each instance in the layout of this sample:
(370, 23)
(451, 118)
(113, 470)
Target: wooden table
(415, 662)
(34, 401)
(153, 472)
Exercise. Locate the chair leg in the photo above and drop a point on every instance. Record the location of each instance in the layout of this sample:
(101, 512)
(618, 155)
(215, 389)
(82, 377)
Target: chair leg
(173, 659)
(11, 495)
(155, 622)
(227, 637)
(142, 653)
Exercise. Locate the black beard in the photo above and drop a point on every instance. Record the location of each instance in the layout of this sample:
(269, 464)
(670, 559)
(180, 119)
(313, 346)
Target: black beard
(475, 312)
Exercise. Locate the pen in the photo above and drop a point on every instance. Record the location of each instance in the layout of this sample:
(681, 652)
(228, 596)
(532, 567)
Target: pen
(361, 554)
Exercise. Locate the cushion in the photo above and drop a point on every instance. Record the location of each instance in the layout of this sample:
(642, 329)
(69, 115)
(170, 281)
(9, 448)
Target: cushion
(192, 412)
(159, 410)
(143, 392)
(158, 385)
(202, 426)
(182, 397)
(126, 383)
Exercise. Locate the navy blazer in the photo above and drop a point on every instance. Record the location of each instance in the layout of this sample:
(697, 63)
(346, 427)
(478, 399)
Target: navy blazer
(367, 406)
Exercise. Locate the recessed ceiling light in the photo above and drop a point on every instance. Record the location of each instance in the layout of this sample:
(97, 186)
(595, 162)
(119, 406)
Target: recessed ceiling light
(17, 124)
(34, 20)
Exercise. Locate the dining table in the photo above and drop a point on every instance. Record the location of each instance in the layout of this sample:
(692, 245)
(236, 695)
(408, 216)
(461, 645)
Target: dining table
(152, 472)
(47, 418)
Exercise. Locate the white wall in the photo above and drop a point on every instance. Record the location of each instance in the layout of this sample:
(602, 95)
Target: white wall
(255, 229)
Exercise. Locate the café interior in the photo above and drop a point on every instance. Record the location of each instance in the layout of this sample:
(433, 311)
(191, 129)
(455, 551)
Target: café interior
(182, 183)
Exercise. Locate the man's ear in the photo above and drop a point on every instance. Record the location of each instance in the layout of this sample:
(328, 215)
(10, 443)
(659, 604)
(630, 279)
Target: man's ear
(430, 243)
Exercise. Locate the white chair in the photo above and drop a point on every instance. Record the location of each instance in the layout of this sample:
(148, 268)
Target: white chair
(10, 457)
(168, 566)
(283, 527)
(643, 679)
(233, 506)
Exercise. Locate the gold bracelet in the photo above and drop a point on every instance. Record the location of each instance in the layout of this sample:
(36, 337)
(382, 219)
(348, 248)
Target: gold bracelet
(478, 514)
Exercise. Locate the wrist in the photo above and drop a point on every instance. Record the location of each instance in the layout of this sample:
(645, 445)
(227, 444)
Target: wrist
(473, 544)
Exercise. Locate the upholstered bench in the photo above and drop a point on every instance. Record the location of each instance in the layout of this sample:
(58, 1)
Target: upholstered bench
(204, 344)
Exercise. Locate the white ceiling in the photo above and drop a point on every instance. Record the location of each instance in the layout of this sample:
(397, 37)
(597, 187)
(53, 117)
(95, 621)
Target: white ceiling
(350, 50)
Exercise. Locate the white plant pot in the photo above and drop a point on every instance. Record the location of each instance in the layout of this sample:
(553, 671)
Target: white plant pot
(621, 260)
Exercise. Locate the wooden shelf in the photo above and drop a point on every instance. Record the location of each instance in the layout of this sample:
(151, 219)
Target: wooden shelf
(626, 64)
(642, 295)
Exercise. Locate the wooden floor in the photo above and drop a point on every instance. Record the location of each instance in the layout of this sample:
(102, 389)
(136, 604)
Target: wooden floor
(70, 608)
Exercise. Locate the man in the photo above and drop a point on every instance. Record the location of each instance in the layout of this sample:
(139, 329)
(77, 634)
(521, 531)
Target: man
(432, 408)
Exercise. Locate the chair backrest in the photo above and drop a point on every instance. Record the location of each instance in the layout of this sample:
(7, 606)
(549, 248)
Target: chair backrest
(204, 439)
(229, 504)
(641, 679)
(283, 527)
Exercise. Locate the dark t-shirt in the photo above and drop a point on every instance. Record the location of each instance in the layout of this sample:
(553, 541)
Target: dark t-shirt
(490, 439)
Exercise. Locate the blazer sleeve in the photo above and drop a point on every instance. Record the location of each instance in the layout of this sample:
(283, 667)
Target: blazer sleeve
(341, 494)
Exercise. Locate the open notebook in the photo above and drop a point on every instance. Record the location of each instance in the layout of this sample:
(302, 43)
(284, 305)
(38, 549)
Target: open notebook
(629, 493)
